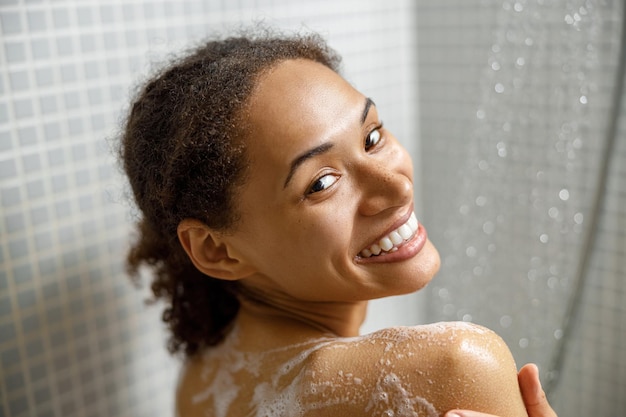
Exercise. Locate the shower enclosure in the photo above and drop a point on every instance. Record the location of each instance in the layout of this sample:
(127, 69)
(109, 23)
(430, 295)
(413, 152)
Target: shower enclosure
(512, 111)
(523, 139)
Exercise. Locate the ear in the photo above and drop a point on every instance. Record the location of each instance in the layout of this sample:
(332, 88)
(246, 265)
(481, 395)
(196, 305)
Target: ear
(209, 251)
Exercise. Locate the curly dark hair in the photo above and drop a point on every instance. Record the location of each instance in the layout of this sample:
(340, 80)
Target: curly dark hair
(183, 151)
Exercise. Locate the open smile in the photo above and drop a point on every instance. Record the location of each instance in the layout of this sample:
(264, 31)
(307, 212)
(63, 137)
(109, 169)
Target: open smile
(393, 240)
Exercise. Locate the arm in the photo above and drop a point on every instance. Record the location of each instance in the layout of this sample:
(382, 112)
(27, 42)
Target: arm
(534, 398)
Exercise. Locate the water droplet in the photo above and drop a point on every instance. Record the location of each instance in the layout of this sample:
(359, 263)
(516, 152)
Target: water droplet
(467, 317)
(558, 334)
(577, 143)
(578, 218)
(443, 293)
(470, 251)
(560, 146)
(520, 61)
(488, 227)
(553, 212)
(566, 128)
(564, 194)
(523, 343)
(480, 114)
(481, 201)
(483, 165)
(544, 238)
(499, 88)
(495, 66)
(506, 321)
(583, 99)
(518, 7)
(553, 282)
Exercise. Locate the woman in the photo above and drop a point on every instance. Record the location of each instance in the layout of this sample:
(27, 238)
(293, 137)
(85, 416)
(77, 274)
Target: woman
(274, 206)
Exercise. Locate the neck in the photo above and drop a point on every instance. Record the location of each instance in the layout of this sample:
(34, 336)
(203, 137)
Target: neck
(342, 319)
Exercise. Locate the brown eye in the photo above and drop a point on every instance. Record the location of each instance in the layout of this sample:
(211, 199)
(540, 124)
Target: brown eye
(322, 183)
(372, 139)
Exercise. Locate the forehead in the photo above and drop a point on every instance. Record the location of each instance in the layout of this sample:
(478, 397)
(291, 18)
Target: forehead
(301, 103)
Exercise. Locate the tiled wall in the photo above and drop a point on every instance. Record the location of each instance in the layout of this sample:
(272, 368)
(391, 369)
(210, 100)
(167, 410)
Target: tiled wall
(76, 338)
(516, 103)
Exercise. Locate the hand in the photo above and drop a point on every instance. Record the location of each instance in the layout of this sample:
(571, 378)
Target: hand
(534, 398)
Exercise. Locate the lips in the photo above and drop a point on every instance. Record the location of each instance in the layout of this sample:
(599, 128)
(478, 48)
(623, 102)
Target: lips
(393, 240)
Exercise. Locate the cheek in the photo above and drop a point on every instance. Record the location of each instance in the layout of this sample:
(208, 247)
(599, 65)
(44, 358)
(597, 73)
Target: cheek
(321, 235)
(282, 245)
(318, 241)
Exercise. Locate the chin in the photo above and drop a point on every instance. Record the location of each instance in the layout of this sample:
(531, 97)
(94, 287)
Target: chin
(407, 276)
(425, 268)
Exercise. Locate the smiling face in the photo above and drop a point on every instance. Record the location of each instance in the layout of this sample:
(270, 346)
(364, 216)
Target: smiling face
(328, 188)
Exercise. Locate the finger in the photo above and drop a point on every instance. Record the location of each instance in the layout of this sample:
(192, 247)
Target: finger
(534, 397)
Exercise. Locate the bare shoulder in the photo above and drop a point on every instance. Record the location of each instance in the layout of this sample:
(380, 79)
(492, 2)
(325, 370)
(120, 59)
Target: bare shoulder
(401, 371)
(421, 370)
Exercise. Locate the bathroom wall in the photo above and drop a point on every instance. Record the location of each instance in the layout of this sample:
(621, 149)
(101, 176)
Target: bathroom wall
(515, 102)
(523, 138)
(76, 338)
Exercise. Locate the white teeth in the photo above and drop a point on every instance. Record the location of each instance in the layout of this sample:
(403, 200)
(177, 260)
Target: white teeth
(395, 237)
(386, 244)
(405, 232)
(390, 242)
(413, 222)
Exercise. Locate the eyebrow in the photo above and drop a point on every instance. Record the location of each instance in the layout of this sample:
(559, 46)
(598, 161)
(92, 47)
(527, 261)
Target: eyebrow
(368, 103)
(323, 148)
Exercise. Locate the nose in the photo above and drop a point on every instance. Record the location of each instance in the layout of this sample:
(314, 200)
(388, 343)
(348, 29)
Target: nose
(384, 185)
